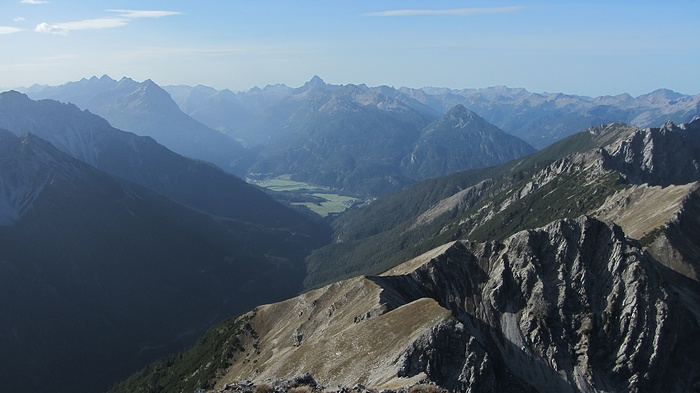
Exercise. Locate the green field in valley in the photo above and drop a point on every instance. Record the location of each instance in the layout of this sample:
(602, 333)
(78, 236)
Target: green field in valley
(321, 200)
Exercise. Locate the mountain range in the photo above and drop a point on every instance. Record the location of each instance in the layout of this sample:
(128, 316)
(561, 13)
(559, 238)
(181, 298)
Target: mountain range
(482, 265)
(538, 118)
(358, 140)
(144, 108)
(117, 251)
(572, 269)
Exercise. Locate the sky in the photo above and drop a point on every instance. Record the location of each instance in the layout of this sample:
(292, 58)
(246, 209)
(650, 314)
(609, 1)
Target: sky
(588, 48)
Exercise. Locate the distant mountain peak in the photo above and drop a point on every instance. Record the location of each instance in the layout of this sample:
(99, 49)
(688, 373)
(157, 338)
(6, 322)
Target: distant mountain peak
(13, 95)
(314, 83)
(461, 115)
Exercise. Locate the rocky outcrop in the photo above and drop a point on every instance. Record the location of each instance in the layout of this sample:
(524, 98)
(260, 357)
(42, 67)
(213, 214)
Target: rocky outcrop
(658, 156)
(574, 306)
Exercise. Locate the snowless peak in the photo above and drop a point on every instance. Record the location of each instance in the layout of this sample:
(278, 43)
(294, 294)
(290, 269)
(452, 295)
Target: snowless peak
(315, 82)
(459, 112)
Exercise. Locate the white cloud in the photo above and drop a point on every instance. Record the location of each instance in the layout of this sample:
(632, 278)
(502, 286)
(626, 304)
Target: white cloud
(47, 28)
(88, 24)
(133, 14)
(34, 2)
(453, 11)
(19, 19)
(9, 30)
(123, 18)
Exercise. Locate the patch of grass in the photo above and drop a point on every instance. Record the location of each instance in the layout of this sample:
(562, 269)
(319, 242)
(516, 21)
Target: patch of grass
(319, 199)
(330, 204)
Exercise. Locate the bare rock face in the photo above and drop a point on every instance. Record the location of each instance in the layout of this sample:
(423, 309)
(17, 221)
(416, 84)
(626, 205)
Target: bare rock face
(574, 306)
(658, 156)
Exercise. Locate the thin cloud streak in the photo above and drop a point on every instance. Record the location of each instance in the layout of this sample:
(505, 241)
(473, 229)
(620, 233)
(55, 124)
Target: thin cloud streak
(124, 17)
(453, 11)
(19, 19)
(134, 14)
(88, 24)
(34, 2)
(9, 30)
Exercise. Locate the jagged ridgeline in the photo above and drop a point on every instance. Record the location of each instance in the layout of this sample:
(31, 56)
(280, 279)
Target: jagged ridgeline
(581, 273)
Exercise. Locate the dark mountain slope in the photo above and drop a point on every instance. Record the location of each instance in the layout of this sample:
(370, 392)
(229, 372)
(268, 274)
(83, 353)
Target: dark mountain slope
(146, 109)
(100, 276)
(141, 160)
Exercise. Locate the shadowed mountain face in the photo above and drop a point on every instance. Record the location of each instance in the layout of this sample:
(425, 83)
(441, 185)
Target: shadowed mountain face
(146, 109)
(141, 160)
(102, 275)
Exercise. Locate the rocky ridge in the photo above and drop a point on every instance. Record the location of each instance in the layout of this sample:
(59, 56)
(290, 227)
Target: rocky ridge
(574, 306)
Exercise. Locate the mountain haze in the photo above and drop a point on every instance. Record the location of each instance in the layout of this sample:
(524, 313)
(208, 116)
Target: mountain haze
(141, 160)
(544, 118)
(146, 109)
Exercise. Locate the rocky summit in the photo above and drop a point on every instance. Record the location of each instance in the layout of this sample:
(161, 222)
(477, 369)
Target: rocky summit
(574, 306)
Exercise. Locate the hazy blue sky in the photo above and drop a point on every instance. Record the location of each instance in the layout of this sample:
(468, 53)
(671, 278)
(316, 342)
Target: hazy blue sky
(588, 48)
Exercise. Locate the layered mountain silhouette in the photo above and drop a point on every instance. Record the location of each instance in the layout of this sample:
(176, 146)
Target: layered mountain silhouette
(544, 118)
(146, 109)
(538, 118)
(357, 139)
(141, 160)
(102, 271)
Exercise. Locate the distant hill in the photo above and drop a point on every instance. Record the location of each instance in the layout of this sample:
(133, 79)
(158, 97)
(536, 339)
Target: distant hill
(538, 118)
